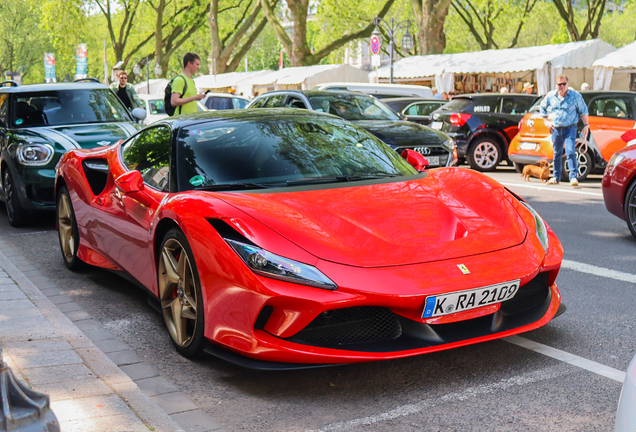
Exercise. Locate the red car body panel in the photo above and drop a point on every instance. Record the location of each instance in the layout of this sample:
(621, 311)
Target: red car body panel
(390, 245)
(617, 180)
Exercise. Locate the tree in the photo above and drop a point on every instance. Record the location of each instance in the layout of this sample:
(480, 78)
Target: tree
(21, 46)
(119, 14)
(593, 14)
(297, 46)
(225, 52)
(431, 15)
(480, 17)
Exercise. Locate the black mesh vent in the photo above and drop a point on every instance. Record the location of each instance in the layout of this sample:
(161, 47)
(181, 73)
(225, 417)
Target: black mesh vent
(351, 326)
(530, 295)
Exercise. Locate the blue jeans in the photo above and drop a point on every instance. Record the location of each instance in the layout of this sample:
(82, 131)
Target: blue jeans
(567, 136)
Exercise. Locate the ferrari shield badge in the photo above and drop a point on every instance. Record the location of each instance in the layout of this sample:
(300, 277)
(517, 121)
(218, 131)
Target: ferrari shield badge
(463, 268)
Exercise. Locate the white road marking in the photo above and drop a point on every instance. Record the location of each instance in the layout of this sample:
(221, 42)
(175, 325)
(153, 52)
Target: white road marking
(566, 357)
(29, 233)
(558, 189)
(599, 271)
(405, 410)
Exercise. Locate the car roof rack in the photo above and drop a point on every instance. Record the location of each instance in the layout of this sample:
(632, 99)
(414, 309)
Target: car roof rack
(9, 83)
(88, 79)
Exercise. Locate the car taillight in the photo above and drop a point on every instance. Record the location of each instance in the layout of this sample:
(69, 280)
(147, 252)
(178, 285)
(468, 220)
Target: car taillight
(459, 119)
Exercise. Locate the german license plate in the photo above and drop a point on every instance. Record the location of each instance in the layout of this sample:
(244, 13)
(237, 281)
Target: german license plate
(437, 125)
(432, 160)
(460, 301)
(528, 146)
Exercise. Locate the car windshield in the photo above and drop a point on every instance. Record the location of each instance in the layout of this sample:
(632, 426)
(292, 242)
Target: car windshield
(456, 105)
(352, 107)
(60, 107)
(276, 151)
(157, 106)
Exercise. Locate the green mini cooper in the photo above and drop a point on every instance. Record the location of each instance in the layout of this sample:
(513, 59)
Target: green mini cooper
(38, 123)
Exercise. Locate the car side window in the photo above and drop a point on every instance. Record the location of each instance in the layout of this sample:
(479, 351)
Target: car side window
(294, 102)
(486, 105)
(149, 153)
(275, 101)
(421, 109)
(219, 103)
(238, 103)
(4, 109)
(617, 107)
(260, 103)
(516, 106)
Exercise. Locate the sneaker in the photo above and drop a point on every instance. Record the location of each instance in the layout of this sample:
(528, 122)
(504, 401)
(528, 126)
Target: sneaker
(553, 180)
(574, 182)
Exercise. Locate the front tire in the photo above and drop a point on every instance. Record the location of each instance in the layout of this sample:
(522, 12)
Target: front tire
(180, 294)
(484, 154)
(67, 229)
(630, 208)
(15, 212)
(584, 162)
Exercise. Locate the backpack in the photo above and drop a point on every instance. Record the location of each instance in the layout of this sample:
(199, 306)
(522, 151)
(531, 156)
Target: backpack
(167, 97)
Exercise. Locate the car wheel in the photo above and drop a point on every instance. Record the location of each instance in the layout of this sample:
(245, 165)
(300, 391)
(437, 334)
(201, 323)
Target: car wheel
(518, 167)
(68, 232)
(180, 294)
(17, 215)
(484, 154)
(630, 208)
(584, 161)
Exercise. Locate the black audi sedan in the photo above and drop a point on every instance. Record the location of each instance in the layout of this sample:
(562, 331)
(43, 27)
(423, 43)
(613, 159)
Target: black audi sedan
(368, 113)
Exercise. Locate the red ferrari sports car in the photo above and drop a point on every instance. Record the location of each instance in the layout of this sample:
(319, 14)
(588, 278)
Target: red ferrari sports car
(619, 182)
(287, 238)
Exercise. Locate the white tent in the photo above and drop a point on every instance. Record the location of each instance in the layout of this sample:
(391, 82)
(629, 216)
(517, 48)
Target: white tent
(225, 82)
(613, 71)
(307, 77)
(157, 86)
(546, 62)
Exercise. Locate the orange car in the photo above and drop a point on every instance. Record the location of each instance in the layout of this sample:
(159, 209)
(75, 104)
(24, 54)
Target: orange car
(610, 115)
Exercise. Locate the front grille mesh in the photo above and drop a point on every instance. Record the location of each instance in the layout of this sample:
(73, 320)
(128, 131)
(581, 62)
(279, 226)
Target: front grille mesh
(351, 326)
(530, 295)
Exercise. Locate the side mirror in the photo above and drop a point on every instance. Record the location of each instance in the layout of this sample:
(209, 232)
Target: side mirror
(130, 182)
(415, 159)
(139, 113)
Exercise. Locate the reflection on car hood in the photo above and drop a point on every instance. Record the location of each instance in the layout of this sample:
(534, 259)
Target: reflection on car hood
(402, 133)
(451, 213)
(85, 136)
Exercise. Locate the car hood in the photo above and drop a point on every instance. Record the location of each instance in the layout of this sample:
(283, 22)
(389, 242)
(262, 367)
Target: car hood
(451, 213)
(402, 133)
(84, 136)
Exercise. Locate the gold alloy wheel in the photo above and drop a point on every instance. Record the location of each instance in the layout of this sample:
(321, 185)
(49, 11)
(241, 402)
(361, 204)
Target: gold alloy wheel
(65, 226)
(177, 292)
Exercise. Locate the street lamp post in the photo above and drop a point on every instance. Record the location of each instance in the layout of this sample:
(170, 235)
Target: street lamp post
(392, 28)
(158, 70)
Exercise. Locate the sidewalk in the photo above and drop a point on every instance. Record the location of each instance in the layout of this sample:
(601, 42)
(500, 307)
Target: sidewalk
(56, 348)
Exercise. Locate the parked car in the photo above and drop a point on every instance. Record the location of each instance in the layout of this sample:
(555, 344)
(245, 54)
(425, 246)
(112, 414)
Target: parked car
(154, 106)
(224, 101)
(38, 123)
(416, 110)
(625, 413)
(482, 125)
(369, 113)
(286, 239)
(610, 115)
(380, 91)
(619, 182)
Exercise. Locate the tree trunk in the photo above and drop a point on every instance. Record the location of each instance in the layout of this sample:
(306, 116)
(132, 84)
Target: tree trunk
(431, 15)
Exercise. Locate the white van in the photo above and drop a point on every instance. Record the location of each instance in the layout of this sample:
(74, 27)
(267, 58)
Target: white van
(381, 91)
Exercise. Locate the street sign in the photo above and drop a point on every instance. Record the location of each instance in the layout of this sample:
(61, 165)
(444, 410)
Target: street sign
(375, 45)
(376, 60)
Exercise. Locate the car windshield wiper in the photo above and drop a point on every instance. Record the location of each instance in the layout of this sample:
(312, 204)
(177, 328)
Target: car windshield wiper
(232, 186)
(340, 178)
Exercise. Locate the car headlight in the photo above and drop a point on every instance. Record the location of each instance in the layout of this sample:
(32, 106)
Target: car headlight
(33, 154)
(274, 266)
(616, 159)
(542, 230)
(450, 143)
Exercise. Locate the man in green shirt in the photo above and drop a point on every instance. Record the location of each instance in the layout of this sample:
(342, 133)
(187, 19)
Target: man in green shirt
(188, 102)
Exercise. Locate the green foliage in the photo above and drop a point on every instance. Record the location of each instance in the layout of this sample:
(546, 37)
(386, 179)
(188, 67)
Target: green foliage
(619, 29)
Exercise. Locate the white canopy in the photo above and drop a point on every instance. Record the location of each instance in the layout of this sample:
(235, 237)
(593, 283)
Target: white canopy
(621, 59)
(548, 61)
(226, 80)
(306, 77)
(157, 86)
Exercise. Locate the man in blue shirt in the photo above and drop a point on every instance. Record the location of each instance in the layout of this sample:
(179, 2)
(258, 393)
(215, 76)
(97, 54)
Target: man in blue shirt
(563, 108)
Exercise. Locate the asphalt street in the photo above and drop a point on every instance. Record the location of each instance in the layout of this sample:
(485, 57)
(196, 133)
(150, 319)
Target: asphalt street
(486, 387)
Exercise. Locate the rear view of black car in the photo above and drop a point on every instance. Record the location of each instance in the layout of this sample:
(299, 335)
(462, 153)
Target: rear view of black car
(482, 125)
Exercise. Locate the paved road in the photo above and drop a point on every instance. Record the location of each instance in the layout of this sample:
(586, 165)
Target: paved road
(491, 386)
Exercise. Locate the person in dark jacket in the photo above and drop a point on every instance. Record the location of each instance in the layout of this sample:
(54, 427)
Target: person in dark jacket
(125, 91)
